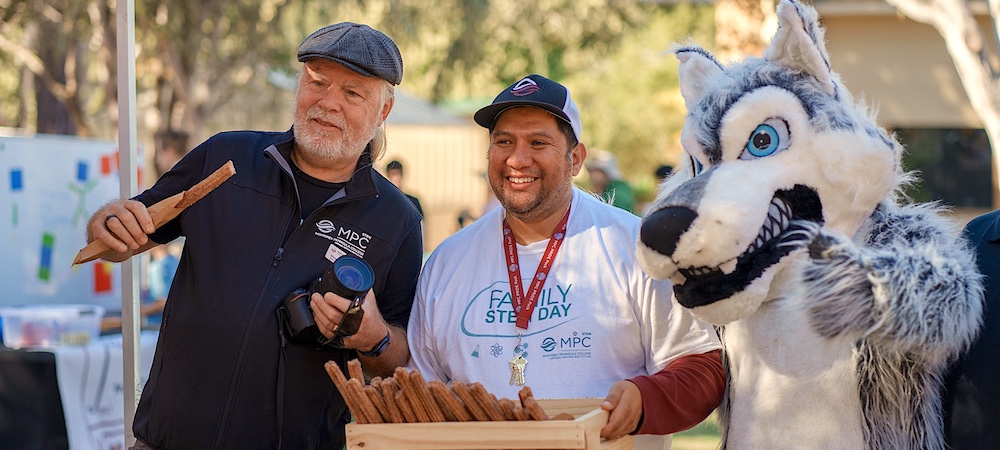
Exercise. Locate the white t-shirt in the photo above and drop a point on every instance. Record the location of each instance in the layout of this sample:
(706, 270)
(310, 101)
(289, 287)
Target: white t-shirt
(599, 318)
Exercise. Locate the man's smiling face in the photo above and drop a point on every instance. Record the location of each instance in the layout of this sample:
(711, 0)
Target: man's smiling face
(531, 166)
(337, 110)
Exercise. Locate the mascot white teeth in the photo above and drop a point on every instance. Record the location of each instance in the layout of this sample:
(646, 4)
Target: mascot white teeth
(838, 305)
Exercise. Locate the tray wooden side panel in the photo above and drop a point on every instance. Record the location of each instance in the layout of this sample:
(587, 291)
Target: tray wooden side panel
(592, 423)
(468, 435)
(581, 433)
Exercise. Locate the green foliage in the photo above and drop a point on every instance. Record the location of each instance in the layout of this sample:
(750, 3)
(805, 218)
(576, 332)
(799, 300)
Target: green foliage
(194, 56)
(630, 102)
(471, 48)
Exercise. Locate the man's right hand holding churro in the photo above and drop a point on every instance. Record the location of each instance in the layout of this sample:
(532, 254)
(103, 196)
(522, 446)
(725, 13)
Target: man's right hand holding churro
(122, 225)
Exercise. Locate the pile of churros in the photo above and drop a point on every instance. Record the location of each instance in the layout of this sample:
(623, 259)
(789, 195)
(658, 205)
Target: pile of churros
(406, 398)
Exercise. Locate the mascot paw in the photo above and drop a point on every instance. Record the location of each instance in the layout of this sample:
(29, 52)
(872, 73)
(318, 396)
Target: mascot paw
(835, 281)
(823, 245)
(799, 234)
(827, 246)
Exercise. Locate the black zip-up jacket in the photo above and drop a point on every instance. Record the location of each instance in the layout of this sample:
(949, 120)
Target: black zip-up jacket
(214, 379)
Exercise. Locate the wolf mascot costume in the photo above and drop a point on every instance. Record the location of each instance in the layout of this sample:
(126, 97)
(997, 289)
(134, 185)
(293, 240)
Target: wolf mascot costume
(841, 307)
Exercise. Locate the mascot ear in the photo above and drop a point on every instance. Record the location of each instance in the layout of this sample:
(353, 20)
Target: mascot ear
(696, 72)
(798, 44)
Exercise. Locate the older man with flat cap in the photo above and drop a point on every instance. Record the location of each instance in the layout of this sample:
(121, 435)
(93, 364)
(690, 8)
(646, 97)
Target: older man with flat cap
(230, 370)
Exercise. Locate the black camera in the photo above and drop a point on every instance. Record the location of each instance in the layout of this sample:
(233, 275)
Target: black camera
(348, 277)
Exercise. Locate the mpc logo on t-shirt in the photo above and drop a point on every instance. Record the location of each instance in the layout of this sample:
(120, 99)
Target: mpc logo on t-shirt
(571, 345)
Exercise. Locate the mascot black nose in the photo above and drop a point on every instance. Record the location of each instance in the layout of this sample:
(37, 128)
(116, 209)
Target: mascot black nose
(662, 229)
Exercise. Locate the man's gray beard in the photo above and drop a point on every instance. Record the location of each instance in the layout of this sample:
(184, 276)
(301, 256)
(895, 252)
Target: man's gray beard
(318, 145)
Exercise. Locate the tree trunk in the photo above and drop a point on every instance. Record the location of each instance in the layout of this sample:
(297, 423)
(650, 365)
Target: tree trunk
(965, 43)
(53, 115)
(743, 28)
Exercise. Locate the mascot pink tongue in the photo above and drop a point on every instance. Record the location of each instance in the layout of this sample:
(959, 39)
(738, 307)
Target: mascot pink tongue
(839, 305)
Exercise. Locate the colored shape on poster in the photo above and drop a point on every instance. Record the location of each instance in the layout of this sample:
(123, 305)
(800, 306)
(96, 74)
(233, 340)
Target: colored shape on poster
(16, 179)
(13, 215)
(45, 268)
(105, 164)
(81, 171)
(102, 276)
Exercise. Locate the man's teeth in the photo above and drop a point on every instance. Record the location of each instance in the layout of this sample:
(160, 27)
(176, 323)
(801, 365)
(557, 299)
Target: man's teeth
(519, 180)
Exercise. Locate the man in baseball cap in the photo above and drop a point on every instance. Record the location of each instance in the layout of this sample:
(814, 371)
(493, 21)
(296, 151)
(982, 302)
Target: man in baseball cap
(231, 372)
(484, 287)
(539, 92)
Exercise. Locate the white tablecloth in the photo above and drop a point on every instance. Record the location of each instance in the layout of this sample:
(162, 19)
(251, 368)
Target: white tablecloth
(90, 384)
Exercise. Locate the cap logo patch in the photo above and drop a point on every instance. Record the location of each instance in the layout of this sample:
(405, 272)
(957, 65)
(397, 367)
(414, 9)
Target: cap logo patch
(526, 86)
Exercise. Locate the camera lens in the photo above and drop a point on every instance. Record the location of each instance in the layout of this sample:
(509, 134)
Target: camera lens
(350, 278)
(353, 274)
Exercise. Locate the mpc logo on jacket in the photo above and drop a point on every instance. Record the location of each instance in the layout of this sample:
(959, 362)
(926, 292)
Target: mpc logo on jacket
(348, 240)
(326, 226)
(353, 241)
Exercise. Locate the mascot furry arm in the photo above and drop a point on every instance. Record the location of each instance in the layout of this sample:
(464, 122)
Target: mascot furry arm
(840, 306)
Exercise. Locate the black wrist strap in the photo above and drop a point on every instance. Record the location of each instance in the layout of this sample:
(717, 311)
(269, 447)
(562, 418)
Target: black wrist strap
(380, 347)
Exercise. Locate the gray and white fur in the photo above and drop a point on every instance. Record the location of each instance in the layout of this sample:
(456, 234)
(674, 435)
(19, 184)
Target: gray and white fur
(839, 305)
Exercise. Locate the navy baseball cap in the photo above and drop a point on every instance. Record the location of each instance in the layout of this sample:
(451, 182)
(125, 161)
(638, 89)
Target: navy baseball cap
(533, 90)
(358, 47)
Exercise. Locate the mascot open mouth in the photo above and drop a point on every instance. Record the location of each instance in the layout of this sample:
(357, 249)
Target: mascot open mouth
(706, 285)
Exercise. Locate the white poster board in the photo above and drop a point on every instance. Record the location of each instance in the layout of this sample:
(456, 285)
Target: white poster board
(49, 186)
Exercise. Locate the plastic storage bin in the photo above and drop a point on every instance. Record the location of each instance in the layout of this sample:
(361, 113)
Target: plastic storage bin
(47, 326)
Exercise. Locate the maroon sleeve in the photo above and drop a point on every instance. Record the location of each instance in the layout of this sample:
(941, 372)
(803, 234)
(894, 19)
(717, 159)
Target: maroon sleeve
(682, 394)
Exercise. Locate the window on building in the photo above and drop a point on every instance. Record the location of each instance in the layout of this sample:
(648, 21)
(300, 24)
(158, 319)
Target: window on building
(953, 165)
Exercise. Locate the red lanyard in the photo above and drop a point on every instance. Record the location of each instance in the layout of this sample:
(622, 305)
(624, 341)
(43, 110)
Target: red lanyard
(524, 304)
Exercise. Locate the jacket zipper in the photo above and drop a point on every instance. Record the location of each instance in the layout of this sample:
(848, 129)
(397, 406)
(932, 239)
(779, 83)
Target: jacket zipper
(236, 376)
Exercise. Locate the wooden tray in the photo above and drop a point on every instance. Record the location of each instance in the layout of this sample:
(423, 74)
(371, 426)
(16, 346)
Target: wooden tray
(583, 432)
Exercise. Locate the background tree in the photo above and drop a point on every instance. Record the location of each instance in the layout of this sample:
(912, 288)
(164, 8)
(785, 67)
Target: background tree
(59, 47)
(749, 25)
(630, 100)
(209, 65)
(975, 59)
(202, 54)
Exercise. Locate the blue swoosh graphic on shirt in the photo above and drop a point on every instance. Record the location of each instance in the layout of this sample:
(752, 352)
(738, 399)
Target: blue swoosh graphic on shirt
(465, 314)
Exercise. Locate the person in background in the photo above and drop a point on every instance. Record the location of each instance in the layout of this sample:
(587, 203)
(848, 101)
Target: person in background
(394, 172)
(663, 172)
(171, 146)
(465, 217)
(546, 291)
(163, 261)
(972, 394)
(608, 181)
(226, 372)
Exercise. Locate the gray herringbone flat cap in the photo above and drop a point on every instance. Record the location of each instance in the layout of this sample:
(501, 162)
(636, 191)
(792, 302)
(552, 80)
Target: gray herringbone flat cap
(359, 47)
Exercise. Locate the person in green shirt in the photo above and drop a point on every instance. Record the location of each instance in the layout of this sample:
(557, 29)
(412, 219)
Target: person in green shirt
(607, 180)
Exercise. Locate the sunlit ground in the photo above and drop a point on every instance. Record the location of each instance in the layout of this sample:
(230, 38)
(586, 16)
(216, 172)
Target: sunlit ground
(704, 436)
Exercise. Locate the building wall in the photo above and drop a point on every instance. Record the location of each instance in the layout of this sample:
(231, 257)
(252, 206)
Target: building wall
(900, 66)
(902, 69)
(444, 166)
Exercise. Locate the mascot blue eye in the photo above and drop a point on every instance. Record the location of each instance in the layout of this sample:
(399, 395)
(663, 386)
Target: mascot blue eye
(696, 167)
(769, 138)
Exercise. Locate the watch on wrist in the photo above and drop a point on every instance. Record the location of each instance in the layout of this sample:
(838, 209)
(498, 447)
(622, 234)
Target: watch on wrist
(380, 347)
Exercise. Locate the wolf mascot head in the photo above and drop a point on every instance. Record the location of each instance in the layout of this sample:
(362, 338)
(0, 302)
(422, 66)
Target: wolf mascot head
(783, 225)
